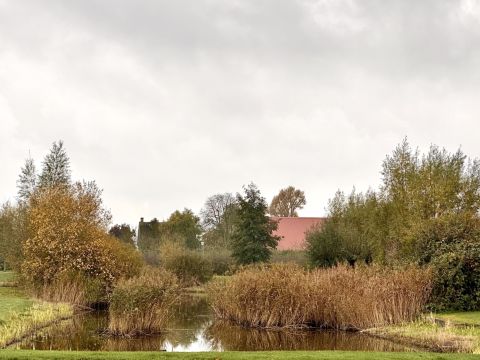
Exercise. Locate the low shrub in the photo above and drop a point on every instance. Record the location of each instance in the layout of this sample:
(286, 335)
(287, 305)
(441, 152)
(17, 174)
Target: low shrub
(151, 257)
(142, 304)
(285, 295)
(189, 266)
(220, 259)
(298, 257)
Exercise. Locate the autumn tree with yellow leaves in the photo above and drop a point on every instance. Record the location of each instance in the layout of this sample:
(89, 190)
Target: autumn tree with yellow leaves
(68, 233)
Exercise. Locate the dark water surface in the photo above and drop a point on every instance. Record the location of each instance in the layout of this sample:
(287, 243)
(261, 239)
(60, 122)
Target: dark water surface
(192, 329)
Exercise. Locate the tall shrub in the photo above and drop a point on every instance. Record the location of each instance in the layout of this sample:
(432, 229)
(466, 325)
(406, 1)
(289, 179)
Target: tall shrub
(13, 232)
(452, 245)
(190, 266)
(425, 211)
(67, 232)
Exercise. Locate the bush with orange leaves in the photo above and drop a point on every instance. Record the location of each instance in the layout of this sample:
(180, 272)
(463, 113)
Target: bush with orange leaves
(68, 234)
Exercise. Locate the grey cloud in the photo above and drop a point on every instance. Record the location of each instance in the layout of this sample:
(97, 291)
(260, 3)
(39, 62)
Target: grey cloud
(166, 102)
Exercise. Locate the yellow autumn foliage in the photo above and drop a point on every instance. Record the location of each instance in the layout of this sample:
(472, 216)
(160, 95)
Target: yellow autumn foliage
(67, 233)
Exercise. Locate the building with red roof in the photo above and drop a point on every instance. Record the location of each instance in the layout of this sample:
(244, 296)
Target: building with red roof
(292, 231)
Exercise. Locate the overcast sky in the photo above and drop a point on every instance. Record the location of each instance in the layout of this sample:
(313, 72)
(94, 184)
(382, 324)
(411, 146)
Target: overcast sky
(164, 103)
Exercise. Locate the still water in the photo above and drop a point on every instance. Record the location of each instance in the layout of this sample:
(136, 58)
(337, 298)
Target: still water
(192, 328)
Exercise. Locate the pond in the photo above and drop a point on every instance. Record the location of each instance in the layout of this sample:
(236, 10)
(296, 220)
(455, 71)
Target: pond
(192, 328)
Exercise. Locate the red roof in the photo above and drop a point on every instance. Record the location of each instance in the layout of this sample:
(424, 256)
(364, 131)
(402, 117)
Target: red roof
(293, 229)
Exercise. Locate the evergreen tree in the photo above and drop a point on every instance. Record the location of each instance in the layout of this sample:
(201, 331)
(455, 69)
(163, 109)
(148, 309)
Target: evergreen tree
(27, 181)
(252, 239)
(56, 167)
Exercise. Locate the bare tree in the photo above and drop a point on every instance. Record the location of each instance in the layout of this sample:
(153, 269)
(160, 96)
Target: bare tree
(218, 214)
(287, 202)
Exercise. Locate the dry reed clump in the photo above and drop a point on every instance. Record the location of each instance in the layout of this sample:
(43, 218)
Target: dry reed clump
(73, 288)
(346, 298)
(262, 296)
(284, 295)
(142, 304)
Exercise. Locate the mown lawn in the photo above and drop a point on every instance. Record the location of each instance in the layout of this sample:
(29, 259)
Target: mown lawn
(12, 300)
(470, 317)
(264, 355)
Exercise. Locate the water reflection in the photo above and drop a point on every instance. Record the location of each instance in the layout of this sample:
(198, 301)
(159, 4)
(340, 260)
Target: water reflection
(226, 337)
(192, 329)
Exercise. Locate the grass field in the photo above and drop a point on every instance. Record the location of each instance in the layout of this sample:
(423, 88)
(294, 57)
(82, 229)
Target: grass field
(470, 318)
(6, 277)
(20, 315)
(12, 300)
(264, 355)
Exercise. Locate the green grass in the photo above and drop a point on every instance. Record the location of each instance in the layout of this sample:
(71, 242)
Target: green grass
(20, 315)
(12, 300)
(6, 277)
(283, 355)
(29, 321)
(470, 317)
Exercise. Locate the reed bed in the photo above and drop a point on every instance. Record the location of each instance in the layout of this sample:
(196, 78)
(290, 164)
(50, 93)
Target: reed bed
(75, 289)
(285, 295)
(142, 304)
(72, 292)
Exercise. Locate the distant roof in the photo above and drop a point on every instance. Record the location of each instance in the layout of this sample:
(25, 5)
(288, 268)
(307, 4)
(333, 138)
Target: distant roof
(293, 229)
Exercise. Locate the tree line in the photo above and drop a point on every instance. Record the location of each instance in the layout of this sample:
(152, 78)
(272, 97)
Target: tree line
(426, 212)
(58, 231)
(240, 224)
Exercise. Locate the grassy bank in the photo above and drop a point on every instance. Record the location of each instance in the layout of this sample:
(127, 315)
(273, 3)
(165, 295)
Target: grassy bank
(431, 335)
(20, 316)
(299, 355)
(468, 318)
(7, 278)
(12, 301)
